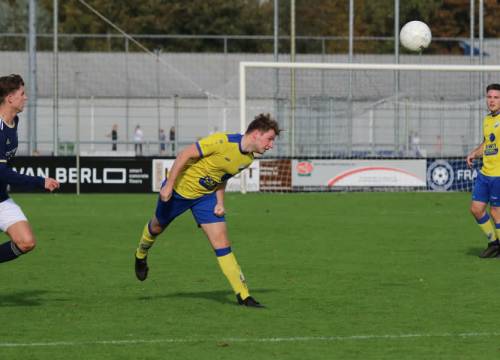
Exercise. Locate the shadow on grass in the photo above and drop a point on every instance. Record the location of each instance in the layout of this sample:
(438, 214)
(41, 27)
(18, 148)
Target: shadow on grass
(223, 297)
(474, 251)
(24, 298)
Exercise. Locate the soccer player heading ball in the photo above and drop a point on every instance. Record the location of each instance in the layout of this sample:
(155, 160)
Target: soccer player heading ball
(12, 220)
(197, 181)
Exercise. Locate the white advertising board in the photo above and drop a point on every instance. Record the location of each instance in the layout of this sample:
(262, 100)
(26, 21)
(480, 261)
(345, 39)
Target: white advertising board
(352, 173)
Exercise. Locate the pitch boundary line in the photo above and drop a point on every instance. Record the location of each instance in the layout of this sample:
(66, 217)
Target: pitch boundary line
(245, 340)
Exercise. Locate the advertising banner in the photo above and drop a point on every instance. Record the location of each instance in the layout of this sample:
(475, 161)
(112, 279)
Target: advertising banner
(359, 173)
(136, 175)
(97, 174)
(275, 175)
(451, 174)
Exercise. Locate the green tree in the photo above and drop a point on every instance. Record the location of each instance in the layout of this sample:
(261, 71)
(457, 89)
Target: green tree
(197, 17)
(14, 19)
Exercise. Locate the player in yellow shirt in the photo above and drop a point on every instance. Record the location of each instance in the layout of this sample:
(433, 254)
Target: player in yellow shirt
(487, 185)
(197, 181)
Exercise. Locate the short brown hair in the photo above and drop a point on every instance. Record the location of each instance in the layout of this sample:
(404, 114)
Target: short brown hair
(493, 87)
(263, 122)
(9, 84)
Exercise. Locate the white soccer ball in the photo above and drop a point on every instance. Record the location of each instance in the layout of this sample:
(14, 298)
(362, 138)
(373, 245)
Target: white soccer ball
(415, 36)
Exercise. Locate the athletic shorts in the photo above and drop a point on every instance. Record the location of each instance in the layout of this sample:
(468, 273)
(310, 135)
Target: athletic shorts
(487, 189)
(10, 213)
(202, 209)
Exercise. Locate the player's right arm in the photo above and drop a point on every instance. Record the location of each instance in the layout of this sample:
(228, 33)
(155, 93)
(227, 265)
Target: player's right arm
(9, 176)
(477, 152)
(189, 153)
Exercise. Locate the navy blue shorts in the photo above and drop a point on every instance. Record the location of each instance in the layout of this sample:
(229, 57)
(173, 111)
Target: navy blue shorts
(202, 209)
(487, 189)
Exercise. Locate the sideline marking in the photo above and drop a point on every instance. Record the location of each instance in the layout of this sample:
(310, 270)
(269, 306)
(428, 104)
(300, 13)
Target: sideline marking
(246, 340)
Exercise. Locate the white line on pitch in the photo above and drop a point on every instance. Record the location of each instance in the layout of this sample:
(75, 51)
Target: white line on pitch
(248, 340)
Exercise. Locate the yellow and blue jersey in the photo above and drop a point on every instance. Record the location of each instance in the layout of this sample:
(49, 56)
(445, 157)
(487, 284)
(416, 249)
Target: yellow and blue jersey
(491, 157)
(221, 157)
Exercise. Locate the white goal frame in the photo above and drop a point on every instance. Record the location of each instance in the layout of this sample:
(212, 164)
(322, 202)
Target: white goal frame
(244, 65)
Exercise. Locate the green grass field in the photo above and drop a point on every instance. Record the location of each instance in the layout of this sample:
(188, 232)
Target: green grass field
(343, 276)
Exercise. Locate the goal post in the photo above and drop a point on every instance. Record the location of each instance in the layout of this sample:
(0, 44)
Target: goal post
(407, 114)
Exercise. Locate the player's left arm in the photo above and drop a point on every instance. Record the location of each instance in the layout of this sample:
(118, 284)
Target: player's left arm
(219, 194)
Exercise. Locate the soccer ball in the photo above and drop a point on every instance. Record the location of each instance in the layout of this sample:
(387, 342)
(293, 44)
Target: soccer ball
(415, 36)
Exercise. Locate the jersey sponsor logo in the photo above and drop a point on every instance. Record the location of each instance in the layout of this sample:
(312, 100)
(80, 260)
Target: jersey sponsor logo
(440, 175)
(7, 142)
(490, 149)
(208, 183)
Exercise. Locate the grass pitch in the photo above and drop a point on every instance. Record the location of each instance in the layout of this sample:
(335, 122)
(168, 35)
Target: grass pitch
(343, 276)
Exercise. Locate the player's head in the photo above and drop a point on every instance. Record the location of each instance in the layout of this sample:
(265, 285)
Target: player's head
(493, 97)
(12, 92)
(262, 131)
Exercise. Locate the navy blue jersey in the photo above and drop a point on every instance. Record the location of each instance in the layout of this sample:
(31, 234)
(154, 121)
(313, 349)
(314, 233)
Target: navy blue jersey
(8, 148)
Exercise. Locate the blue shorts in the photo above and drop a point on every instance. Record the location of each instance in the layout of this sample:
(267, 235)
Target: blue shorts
(202, 209)
(487, 189)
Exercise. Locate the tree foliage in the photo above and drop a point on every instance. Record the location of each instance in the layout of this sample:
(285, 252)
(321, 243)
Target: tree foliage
(314, 18)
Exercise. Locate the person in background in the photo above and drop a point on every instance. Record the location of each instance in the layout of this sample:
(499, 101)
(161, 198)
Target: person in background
(162, 138)
(114, 137)
(171, 137)
(138, 140)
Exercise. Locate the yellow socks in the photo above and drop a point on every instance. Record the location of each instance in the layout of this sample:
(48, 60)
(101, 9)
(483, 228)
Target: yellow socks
(147, 240)
(487, 227)
(232, 271)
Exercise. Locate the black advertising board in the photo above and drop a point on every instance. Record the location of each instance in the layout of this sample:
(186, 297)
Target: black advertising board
(97, 174)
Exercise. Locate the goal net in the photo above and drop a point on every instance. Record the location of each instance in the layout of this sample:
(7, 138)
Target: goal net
(354, 127)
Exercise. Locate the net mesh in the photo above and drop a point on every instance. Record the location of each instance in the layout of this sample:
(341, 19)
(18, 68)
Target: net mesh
(364, 129)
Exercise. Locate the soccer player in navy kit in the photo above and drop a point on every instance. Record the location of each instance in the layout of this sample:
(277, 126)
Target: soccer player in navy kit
(12, 220)
(197, 181)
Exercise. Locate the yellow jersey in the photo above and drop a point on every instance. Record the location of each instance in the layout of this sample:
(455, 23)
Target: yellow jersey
(491, 133)
(221, 157)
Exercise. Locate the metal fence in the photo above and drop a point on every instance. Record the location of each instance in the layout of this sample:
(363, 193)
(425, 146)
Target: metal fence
(197, 93)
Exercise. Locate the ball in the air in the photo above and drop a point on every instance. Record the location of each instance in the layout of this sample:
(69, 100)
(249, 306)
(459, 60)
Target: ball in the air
(415, 36)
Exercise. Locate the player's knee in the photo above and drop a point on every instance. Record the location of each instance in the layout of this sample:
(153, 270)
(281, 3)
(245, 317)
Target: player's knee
(221, 243)
(476, 212)
(26, 243)
(155, 228)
